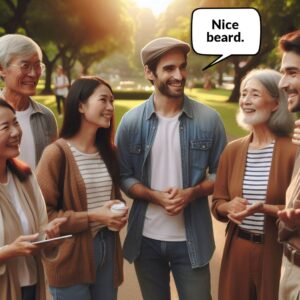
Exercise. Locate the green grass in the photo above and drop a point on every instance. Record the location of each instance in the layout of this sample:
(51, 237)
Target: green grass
(215, 98)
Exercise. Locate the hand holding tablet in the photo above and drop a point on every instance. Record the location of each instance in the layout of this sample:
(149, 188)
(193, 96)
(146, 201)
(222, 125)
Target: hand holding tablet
(42, 240)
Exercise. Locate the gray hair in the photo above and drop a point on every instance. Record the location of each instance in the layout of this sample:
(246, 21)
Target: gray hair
(12, 45)
(281, 122)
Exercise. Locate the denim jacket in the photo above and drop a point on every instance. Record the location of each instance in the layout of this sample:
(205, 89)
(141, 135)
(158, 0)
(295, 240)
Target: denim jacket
(202, 140)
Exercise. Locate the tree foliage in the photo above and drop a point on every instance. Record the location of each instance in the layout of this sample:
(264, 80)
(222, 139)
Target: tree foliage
(71, 30)
(278, 17)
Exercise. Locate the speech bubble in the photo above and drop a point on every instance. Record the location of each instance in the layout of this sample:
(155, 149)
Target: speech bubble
(225, 32)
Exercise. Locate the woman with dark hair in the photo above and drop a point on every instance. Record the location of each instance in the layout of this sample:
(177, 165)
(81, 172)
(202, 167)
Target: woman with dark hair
(253, 175)
(78, 175)
(22, 217)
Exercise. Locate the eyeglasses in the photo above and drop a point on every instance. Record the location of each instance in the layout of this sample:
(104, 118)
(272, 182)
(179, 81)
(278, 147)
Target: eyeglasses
(26, 68)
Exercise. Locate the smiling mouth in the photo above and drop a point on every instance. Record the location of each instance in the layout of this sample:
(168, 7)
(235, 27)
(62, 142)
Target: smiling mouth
(248, 110)
(14, 144)
(107, 116)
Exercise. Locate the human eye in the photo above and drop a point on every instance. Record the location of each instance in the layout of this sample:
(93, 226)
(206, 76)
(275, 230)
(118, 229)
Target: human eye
(243, 94)
(183, 67)
(3, 127)
(25, 66)
(168, 68)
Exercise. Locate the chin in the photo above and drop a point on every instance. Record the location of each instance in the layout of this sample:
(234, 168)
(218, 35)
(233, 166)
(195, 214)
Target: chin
(104, 125)
(28, 91)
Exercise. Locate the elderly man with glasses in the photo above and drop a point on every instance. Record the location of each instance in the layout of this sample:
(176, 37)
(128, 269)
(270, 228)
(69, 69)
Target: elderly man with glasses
(20, 69)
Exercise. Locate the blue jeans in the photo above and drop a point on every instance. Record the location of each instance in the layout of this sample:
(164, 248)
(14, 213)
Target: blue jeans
(103, 288)
(153, 266)
(28, 292)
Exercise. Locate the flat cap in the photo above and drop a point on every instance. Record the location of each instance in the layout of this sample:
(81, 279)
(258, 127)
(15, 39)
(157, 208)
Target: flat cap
(160, 46)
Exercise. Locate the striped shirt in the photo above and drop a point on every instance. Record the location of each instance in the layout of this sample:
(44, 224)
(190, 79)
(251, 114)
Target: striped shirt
(98, 183)
(255, 184)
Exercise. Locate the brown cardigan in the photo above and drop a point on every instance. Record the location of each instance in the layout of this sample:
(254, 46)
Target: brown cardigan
(33, 205)
(65, 195)
(228, 185)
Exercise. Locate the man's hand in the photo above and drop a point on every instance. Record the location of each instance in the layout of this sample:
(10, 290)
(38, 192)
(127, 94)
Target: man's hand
(290, 217)
(178, 200)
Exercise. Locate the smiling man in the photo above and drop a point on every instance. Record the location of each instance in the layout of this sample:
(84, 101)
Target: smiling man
(20, 69)
(169, 149)
(289, 226)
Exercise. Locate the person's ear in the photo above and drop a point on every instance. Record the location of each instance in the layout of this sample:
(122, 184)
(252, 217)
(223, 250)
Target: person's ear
(2, 72)
(148, 73)
(81, 108)
(276, 106)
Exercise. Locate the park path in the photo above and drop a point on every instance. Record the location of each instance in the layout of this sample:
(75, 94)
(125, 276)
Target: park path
(129, 290)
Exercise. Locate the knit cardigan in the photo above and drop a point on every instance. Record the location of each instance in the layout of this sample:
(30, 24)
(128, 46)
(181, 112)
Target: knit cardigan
(65, 195)
(228, 185)
(34, 208)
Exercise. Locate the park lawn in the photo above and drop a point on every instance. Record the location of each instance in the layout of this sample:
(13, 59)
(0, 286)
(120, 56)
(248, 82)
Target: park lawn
(215, 98)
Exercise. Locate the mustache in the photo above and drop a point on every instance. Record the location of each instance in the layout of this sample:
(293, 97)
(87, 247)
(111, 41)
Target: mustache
(182, 82)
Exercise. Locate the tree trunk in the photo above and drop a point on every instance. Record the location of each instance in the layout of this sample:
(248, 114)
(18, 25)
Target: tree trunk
(235, 94)
(47, 88)
(220, 77)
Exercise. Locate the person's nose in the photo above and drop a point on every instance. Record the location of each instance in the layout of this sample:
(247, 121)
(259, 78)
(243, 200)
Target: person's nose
(110, 106)
(283, 83)
(15, 131)
(246, 99)
(178, 74)
(33, 72)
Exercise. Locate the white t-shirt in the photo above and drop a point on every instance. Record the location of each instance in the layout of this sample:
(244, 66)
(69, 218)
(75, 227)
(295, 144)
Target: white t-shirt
(59, 81)
(26, 276)
(166, 171)
(27, 146)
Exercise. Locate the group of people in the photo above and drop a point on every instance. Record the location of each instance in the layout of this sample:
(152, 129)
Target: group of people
(169, 155)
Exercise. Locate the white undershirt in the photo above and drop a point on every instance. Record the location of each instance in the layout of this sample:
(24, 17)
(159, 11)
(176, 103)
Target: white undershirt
(26, 276)
(27, 146)
(166, 171)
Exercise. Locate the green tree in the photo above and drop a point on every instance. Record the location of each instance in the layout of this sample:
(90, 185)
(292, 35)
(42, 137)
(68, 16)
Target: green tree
(278, 17)
(71, 30)
(12, 15)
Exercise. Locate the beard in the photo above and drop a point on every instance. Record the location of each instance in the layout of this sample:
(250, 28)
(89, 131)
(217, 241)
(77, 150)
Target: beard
(167, 91)
(247, 122)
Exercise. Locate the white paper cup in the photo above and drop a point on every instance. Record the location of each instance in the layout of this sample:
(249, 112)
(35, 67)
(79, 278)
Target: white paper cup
(117, 208)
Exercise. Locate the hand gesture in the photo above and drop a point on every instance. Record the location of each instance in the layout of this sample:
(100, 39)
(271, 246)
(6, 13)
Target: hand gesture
(52, 230)
(104, 215)
(238, 217)
(290, 217)
(296, 134)
(22, 246)
(178, 199)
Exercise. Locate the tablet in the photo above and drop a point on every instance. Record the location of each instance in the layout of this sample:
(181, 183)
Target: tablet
(53, 239)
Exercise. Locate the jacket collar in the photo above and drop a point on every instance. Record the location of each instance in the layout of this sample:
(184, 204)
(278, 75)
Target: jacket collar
(186, 110)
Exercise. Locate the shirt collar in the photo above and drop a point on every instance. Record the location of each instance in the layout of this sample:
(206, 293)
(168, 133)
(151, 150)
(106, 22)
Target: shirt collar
(186, 110)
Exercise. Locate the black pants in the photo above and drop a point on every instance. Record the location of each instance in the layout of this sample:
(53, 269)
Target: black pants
(60, 99)
(28, 292)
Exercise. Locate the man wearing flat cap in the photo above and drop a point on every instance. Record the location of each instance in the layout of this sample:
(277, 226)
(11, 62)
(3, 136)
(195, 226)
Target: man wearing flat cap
(169, 149)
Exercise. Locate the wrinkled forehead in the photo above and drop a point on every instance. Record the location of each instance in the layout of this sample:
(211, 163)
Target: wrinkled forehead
(29, 58)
